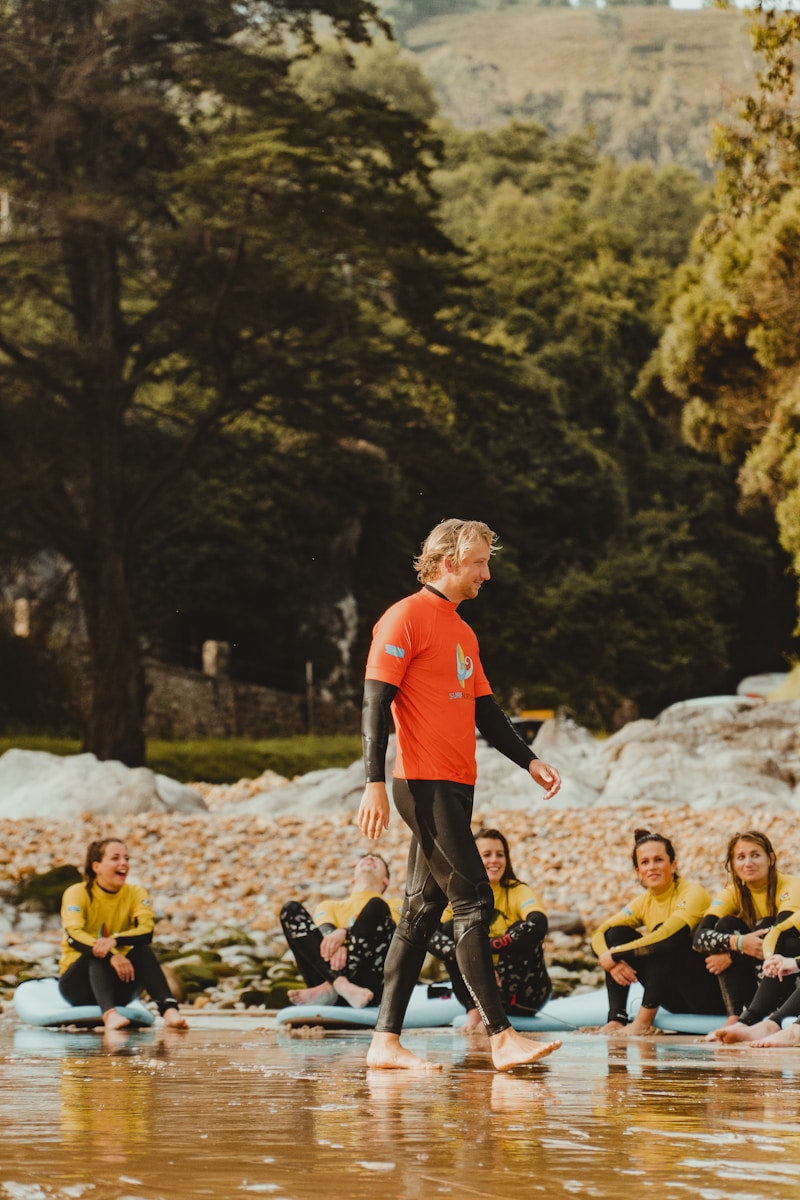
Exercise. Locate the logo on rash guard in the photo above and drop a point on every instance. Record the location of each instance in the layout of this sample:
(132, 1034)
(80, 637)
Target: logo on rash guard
(395, 651)
(464, 665)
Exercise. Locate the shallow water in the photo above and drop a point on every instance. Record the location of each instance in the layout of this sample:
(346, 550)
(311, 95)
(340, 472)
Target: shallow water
(231, 1109)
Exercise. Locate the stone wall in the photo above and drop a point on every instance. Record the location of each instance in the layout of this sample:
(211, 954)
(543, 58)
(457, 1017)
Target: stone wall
(182, 703)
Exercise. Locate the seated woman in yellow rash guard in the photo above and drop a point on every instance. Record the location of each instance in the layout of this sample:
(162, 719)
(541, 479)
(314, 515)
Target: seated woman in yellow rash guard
(756, 916)
(662, 958)
(516, 936)
(106, 957)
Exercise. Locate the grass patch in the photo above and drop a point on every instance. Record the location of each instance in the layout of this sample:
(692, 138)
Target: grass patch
(223, 760)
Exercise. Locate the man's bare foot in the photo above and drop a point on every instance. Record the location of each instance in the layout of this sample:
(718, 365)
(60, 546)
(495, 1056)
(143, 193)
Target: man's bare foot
(730, 1034)
(173, 1018)
(473, 1023)
(386, 1053)
(511, 1049)
(356, 997)
(611, 1028)
(790, 1036)
(323, 993)
(112, 1019)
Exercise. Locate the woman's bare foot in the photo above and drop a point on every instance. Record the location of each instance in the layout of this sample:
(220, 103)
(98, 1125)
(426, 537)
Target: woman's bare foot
(473, 1023)
(173, 1018)
(716, 1034)
(511, 1049)
(356, 997)
(747, 1033)
(386, 1053)
(636, 1029)
(112, 1019)
(611, 1028)
(323, 993)
(782, 1037)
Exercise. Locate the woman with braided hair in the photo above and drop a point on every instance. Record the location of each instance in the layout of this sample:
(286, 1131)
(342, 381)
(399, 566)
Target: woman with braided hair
(516, 937)
(650, 940)
(755, 917)
(106, 957)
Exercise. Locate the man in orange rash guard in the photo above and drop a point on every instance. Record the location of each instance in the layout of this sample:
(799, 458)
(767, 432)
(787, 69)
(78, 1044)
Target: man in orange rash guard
(424, 666)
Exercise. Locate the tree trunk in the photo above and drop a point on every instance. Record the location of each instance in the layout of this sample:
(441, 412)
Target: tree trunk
(116, 715)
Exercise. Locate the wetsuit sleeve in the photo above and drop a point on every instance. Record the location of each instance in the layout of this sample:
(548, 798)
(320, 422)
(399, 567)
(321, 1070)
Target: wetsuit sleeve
(783, 921)
(375, 726)
(142, 921)
(658, 941)
(327, 917)
(495, 726)
(626, 916)
(73, 919)
(710, 940)
(529, 932)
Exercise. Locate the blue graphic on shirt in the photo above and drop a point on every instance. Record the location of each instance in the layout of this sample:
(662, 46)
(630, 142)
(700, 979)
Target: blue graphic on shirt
(395, 651)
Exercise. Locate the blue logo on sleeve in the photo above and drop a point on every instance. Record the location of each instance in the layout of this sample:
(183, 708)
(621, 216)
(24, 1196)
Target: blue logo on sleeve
(395, 651)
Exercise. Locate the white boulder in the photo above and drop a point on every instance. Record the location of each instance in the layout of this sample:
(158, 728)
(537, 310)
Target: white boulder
(36, 784)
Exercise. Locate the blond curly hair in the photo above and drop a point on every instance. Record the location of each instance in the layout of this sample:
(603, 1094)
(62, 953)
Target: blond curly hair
(452, 538)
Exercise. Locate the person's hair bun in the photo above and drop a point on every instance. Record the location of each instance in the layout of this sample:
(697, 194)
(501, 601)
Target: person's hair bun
(640, 833)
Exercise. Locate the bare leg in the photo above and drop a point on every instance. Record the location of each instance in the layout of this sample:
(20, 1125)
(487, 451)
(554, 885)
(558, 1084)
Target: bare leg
(385, 1052)
(783, 1037)
(323, 993)
(356, 997)
(747, 1033)
(511, 1049)
(112, 1019)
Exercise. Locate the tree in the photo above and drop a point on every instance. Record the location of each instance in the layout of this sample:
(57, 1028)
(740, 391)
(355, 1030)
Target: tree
(729, 356)
(189, 240)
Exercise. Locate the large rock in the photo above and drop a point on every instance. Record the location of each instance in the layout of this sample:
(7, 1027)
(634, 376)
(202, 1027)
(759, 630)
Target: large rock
(36, 784)
(734, 751)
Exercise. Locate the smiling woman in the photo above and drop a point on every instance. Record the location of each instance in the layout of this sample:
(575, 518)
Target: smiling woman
(650, 940)
(106, 958)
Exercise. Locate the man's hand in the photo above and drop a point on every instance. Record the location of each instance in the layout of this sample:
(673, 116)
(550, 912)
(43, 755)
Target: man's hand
(333, 949)
(373, 812)
(546, 776)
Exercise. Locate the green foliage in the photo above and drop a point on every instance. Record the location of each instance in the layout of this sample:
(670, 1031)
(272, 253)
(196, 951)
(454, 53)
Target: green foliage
(729, 357)
(218, 760)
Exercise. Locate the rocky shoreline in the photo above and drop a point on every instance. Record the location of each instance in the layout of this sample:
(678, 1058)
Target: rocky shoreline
(218, 879)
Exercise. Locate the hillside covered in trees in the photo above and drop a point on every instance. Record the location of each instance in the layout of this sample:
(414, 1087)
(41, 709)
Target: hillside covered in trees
(649, 80)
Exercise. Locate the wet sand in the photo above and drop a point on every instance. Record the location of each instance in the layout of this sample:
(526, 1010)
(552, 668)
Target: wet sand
(233, 1107)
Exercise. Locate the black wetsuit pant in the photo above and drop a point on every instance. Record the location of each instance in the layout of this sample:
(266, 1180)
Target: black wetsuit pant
(444, 866)
(740, 980)
(91, 980)
(367, 942)
(674, 978)
(773, 995)
(524, 983)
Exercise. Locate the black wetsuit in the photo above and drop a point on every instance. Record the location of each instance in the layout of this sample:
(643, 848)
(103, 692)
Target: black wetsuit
(367, 941)
(519, 961)
(91, 980)
(444, 866)
(748, 994)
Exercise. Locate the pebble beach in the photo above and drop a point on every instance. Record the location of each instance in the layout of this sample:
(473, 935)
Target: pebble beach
(229, 870)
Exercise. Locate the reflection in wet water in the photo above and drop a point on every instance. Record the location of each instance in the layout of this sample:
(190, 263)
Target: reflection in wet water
(230, 1111)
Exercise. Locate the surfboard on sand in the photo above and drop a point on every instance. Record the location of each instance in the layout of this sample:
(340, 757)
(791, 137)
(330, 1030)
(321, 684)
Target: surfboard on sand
(429, 1008)
(585, 1009)
(39, 1002)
